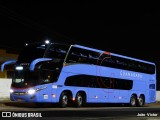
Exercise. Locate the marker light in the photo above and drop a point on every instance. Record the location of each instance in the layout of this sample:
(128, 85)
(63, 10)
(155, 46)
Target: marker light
(53, 95)
(47, 42)
(73, 99)
(19, 68)
(31, 91)
(11, 91)
(54, 86)
(26, 44)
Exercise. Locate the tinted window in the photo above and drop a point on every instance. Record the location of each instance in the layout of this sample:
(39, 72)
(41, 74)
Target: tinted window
(126, 64)
(32, 52)
(98, 82)
(152, 86)
(24, 79)
(48, 76)
(77, 55)
(57, 51)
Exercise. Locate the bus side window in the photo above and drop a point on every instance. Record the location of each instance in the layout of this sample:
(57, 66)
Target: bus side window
(106, 82)
(152, 86)
(93, 57)
(83, 58)
(93, 82)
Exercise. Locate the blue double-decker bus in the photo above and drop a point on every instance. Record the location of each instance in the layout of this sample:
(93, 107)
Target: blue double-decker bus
(74, 74)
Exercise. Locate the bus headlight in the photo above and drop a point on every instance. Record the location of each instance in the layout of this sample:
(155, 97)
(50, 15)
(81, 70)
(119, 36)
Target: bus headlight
(11, 91)
(31, 91)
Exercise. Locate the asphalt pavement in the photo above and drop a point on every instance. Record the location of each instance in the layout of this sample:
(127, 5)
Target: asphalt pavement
(89, 112)
(24, 104)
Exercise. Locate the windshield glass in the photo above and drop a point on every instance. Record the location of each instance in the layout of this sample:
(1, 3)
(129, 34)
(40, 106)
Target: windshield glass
(32, 52)
(26, 78)
(57, 51)
(44, 72)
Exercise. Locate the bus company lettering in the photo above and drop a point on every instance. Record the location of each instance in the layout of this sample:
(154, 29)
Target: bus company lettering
(130, 74)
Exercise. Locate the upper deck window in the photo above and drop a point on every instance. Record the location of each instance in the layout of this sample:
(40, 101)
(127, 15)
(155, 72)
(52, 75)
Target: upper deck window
(78, 55)
(57, 51)
(32, 52)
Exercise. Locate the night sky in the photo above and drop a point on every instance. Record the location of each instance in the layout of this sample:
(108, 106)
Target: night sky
(119, 28)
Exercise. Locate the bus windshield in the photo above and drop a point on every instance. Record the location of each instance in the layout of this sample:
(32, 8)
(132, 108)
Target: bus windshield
(56, 51)
(45, 72)
(23, 79)
(26, 78)
(32, 52)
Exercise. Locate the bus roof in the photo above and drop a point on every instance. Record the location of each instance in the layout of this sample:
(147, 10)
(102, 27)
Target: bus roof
(118, 55)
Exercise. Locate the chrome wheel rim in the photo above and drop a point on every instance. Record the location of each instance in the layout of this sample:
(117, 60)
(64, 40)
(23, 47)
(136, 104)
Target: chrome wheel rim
(140, 101)
(133, 102)
(64, 100)
(79, 99)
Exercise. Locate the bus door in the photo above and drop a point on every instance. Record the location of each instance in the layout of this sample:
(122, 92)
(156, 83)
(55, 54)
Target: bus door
(123, 95)
(96, 92)
(45, 93)
(124, 86)
(45, 87)
(152, 91)
(113, 93)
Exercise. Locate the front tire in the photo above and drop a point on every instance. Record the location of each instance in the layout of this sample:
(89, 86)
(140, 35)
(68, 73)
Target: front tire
(63, 101)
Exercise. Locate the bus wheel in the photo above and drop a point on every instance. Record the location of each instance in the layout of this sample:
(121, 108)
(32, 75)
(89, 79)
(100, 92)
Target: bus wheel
(63, 101)
(141, 101)
(79, 100)
(133, 101)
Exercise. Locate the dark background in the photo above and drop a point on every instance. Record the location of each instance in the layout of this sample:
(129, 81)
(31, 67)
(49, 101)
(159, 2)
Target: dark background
(122, 28)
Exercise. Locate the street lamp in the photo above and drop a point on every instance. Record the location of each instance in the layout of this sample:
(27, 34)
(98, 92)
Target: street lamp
(47, 41)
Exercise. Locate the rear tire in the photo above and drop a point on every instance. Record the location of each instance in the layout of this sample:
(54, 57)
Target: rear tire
(63, 101)
(79, 100)
(140, 101)
(133, 101)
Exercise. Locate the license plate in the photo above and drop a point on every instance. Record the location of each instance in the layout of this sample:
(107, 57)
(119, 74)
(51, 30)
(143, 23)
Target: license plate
(19, 100)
